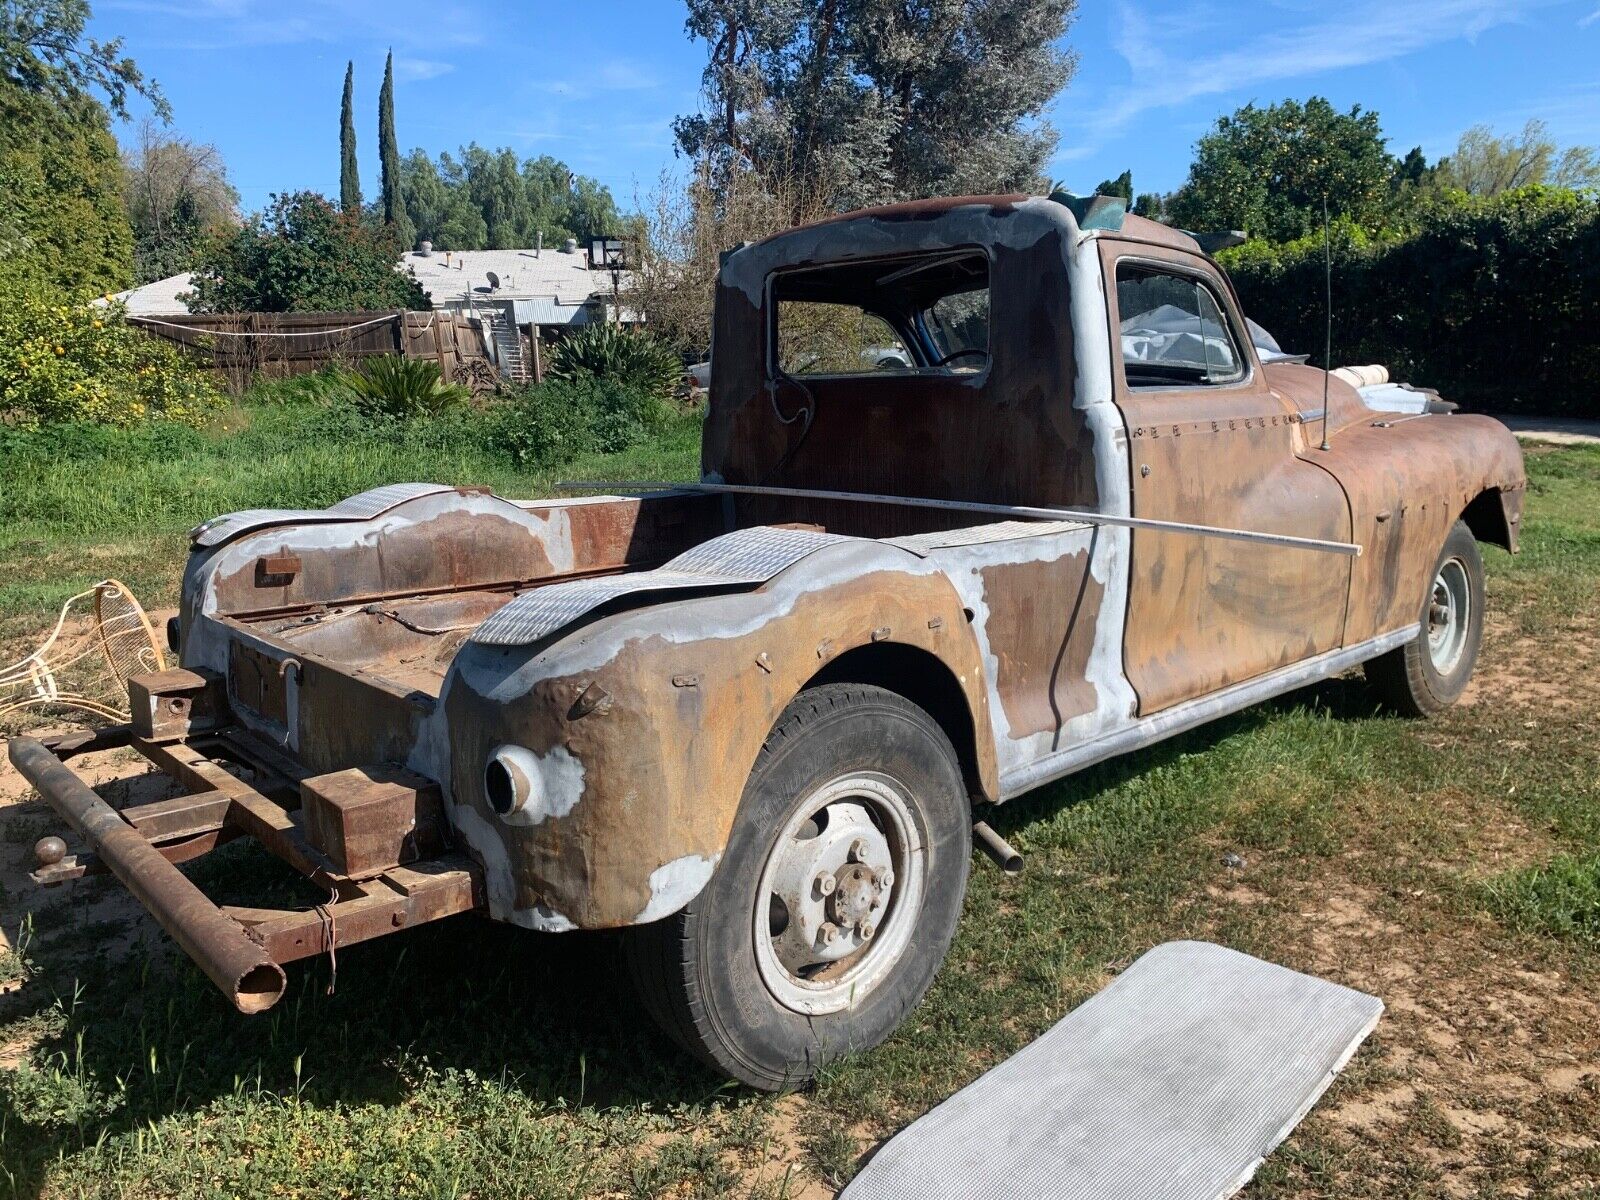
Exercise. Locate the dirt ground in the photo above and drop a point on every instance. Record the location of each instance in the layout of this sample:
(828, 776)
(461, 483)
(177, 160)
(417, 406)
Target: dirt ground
(1482, 1080)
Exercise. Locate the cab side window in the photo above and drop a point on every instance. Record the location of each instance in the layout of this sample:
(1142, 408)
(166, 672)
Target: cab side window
(1173, 331)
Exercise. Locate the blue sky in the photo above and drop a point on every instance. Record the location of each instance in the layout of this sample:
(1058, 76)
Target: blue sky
(597, 84)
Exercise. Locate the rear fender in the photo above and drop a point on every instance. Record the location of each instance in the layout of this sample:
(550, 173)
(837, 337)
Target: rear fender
(641, 728)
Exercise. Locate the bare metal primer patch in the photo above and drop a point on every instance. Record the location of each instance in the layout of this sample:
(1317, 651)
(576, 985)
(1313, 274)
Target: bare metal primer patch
(361, 507)
(743, 558)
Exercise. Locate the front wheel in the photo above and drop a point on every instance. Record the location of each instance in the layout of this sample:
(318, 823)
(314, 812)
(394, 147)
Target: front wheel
(1430, 672)
(836, 898)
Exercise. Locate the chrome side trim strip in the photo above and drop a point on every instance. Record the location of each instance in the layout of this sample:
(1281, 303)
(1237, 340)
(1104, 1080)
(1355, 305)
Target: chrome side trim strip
(1191, 713)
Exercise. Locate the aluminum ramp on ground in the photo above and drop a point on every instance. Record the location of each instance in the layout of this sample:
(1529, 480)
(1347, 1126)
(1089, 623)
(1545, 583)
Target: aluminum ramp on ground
(1176, 1081)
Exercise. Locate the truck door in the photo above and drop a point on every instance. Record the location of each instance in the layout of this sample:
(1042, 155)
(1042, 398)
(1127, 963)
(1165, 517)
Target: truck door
(1209, 442)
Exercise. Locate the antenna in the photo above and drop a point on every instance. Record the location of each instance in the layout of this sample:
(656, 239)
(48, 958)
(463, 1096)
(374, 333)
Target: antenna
(494, 280)
(1327, 333)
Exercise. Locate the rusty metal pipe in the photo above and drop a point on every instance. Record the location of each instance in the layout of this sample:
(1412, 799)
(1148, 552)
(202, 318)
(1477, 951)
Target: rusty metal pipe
(1284, 540)
(218, 944)
(1006, 856)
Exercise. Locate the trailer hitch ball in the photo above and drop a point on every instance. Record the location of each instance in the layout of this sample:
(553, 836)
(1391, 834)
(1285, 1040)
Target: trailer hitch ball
(48, 851)
(508, 779)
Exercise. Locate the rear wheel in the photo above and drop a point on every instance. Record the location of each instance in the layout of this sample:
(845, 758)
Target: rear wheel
(834, 902)
(1430, 672)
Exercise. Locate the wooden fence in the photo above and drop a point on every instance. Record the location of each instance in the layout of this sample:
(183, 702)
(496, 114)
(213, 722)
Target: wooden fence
(239, 347)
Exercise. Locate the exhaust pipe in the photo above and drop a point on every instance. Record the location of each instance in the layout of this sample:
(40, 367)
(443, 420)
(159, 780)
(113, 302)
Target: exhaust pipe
(1004, 854)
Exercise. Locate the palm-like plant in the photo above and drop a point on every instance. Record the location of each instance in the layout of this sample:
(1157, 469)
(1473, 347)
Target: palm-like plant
(393, 386)
(631, 357)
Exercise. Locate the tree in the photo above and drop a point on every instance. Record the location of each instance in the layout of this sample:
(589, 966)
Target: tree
(177, 193)
(60, 177)
(873, 100)
(1150, 204)
(349, 168)
(304, 255)
(394, 201)
(43, 51)
(1413, 169)
(1268, 170)
(490, 198)
(61, 189)
(1122, 186)
(69, 357)
(1486, 165)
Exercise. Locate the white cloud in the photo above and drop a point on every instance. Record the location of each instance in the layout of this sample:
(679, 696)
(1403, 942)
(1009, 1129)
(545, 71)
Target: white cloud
(1585, 22)
(616, 75)
(1197, 51)
(411, 70)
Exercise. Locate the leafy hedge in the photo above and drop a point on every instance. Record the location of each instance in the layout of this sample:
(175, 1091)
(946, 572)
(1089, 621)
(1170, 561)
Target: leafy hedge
(1494, 302)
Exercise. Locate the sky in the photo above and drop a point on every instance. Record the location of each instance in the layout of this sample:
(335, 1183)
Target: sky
(597, 84)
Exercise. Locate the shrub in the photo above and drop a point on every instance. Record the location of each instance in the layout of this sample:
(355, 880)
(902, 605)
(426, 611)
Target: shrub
(1492, 301)
(384, 388)
(561, 419)
(395, 387)
(66, 359)
(631, 357)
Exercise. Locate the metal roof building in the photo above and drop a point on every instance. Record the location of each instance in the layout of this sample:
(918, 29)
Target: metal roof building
(547, 286)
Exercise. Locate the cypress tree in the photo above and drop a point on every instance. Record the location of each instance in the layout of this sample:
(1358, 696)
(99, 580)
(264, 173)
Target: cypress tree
(349, 172)
(394, 203)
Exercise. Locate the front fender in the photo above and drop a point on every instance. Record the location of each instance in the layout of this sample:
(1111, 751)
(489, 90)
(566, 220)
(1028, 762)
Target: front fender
(1408, 480)
(642, 727)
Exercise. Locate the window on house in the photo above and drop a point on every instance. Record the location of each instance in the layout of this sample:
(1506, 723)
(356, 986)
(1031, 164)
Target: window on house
(927, 314)
(1173, 330)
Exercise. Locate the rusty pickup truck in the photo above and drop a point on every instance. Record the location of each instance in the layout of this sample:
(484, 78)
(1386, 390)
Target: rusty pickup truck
(992, 488)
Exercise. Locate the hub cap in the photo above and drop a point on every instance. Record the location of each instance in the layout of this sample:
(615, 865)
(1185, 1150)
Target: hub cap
(839, 894)
(1449, 613)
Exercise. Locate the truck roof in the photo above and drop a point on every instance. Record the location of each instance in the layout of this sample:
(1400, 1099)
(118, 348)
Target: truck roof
(1140, 228)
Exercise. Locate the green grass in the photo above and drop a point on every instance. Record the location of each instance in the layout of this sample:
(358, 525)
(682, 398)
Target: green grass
(1560, 898)
(75, 511)
(472, 1059)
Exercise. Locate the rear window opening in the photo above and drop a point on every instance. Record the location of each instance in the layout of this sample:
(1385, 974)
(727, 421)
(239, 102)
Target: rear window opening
(918, 315)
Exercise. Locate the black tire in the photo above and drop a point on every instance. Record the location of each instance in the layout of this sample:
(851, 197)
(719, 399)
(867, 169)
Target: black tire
(697, 971)
(1407, 679)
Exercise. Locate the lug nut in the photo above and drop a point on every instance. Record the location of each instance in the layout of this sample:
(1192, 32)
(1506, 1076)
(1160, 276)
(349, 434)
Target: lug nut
(828, 934)
(826, 883)
(866, 930)
(858, 850)
(886, 878)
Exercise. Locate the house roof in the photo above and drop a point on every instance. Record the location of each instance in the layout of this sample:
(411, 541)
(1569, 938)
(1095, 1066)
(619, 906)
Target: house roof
(559, 282)
(549, 274)
(158, 299)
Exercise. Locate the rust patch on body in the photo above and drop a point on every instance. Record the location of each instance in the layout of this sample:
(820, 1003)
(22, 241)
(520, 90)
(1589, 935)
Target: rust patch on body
(1041, 630)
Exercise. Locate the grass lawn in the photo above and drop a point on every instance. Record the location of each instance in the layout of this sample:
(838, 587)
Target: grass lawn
(1451, 867)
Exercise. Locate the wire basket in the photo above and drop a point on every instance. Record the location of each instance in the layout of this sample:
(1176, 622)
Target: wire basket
(87, 668)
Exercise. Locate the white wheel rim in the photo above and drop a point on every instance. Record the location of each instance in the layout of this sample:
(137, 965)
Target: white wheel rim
(1449, 615)
(859, 832)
